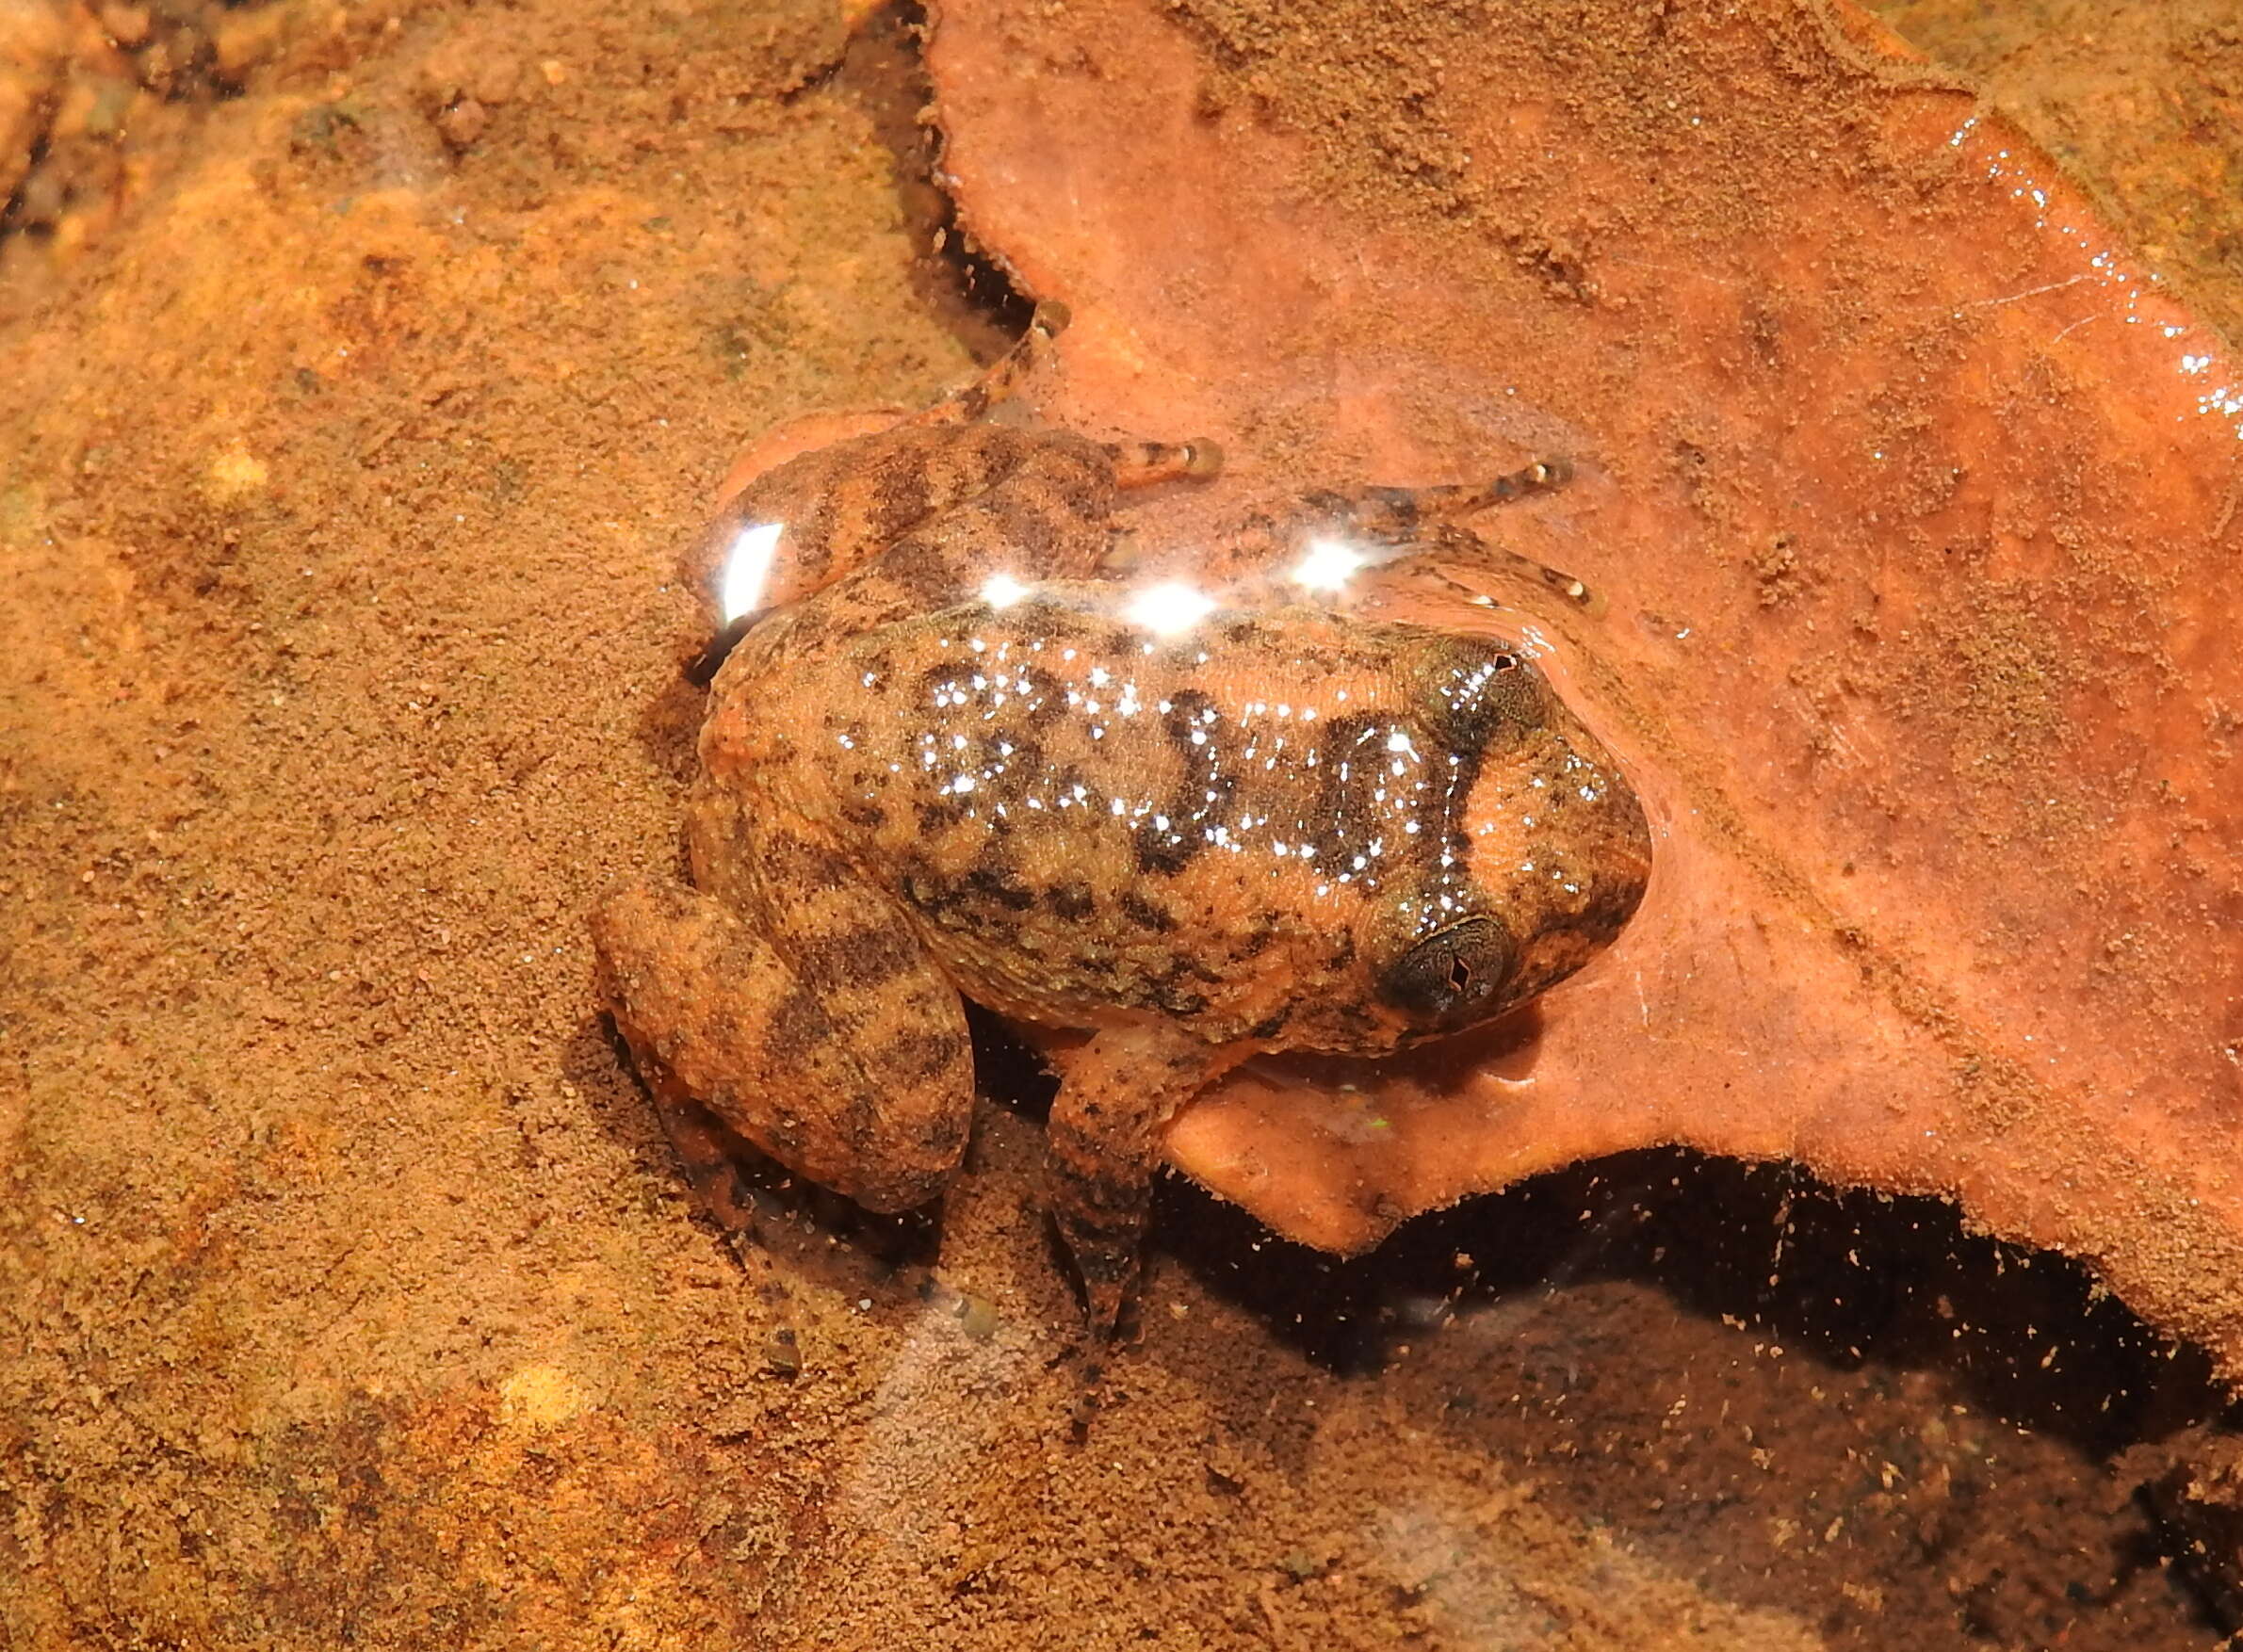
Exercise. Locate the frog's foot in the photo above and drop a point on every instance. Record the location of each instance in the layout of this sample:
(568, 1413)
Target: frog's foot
(1003, 377)
(1399, 516)
(1116, 1095)
(1460, 549)
(711, 1010)
(1454, 500)
(1394, 528)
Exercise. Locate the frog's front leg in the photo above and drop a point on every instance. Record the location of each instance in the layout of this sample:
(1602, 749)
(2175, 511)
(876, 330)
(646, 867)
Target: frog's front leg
(1116, 1095)
(844, 1056)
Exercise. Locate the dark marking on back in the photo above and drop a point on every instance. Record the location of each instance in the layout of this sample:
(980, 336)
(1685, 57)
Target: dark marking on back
(788, 861)
(1144, 914)
(1476, 694)
(1013, 775)
(1046, 697)
(983, 903)
(920, 565)
(1350, 770)
(1071, 899)
(879, 667)
(811, 534)
(922, 891)
(1094, 802)
(1000, 884)
(901, 498)
(1167, 990)
(1057, 626)
(1171, 838)
(1033, 528)
(937, 814)
(798, 1025)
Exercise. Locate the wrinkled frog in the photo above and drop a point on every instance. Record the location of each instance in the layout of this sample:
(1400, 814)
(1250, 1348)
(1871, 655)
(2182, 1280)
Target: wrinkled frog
(945, 760)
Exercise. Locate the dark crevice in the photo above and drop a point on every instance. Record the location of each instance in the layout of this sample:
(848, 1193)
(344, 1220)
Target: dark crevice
(1856, 1279)
(883, 73)
(174, 59)
(1855, 1282)
(11, 212)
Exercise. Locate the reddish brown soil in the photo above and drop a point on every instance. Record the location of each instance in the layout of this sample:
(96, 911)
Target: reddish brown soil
(348, 1292)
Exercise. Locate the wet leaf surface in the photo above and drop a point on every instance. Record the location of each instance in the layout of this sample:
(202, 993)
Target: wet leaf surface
(1908, 494)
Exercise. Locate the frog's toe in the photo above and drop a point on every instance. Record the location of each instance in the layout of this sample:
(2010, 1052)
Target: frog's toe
(1108, 1266)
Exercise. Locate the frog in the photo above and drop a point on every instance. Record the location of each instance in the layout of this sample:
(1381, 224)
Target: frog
(949, 756)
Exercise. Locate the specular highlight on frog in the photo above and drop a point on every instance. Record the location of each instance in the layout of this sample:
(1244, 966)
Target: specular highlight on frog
(942, 758)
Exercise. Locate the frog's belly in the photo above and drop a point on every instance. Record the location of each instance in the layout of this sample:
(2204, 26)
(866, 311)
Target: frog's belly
(1088, 824)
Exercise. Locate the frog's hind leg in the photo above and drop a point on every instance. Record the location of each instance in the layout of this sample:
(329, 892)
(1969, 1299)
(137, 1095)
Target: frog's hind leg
(804, 524)
(1049, 517)
(828, 514)
(848, 1061)
(1116, 1095)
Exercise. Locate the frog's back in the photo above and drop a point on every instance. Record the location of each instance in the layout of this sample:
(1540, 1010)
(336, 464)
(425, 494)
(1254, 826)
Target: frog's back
(1090, 819)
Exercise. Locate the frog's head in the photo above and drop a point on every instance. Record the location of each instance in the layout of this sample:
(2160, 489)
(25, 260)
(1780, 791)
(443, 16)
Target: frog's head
(1544, 850)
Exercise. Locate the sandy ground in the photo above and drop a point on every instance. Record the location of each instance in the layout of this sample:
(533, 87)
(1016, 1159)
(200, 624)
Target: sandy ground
(357, 399)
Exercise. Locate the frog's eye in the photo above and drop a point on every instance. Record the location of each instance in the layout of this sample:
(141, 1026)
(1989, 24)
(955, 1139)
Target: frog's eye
(1453, 976)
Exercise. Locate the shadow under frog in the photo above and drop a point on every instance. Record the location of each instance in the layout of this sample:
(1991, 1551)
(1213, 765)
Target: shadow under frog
(943, 759)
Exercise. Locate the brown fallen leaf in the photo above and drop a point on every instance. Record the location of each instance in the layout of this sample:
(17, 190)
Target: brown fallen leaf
(1913, 502)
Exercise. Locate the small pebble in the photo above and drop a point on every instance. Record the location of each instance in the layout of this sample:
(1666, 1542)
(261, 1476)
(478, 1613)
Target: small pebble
(782, 1357)
(977, 1316)
(463, 124)
(125, 25)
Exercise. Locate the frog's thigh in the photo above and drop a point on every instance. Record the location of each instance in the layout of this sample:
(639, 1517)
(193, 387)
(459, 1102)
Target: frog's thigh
(1116, 1095)
(871, 1095)
(1049, 517)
